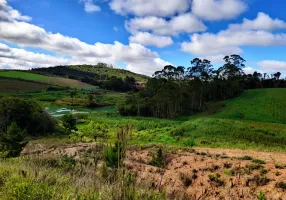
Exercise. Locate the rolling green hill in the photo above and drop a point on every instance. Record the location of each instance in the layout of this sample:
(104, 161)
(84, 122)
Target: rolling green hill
(106, 71)
(64, 82)
(90, 73)
(264, 105)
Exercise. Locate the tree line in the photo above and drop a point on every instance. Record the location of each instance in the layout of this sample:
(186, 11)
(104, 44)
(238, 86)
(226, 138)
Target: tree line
(176, 91)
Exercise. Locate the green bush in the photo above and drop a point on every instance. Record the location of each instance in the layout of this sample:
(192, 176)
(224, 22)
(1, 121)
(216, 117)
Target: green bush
(258, 161)
(110, 155)
(158, 160)
(67, 162)
(27, 114)
(69, 122)
(13, 141)
(180, 131)
(189, 142)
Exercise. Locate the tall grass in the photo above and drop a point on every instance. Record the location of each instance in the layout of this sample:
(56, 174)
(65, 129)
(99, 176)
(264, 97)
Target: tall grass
(46, 179)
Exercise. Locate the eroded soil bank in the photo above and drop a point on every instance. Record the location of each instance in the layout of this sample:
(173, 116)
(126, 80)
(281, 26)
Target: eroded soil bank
(199, 173)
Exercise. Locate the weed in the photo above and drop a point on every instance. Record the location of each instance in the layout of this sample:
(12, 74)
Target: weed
(67, 162)
(186, 179)
(158, 160)
(246, 158)
(277, 174)
(261, 196)
(263, 171)
(258, 161)
(227, 172)
(227, 165)
(280, 166)
(215, 178)
(254, 166)
(281, 185)
(189, 143)
(258, 180)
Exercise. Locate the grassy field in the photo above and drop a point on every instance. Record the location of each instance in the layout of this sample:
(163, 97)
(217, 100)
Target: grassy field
(64, 82)
(225, 129)
(11, 85)
(265, 105)
(245, 122)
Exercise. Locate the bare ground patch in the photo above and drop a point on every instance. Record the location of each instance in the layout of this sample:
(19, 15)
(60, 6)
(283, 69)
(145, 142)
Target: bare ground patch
(201, 173)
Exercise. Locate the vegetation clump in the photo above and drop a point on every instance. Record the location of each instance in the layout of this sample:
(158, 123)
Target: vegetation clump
(27, 114)
(215, 178)
(258, 161)
(159, 160)
(281, 185)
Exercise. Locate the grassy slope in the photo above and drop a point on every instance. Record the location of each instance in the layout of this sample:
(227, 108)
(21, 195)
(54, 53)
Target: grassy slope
(11, 85)
(121, 73)
(46, 79)
(265, 105)
(223, 129)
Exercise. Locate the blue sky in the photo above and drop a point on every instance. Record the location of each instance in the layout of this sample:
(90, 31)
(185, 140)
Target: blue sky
(142, 35)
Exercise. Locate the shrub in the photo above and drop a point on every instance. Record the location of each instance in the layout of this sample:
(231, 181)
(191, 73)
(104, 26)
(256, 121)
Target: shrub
(186, 180)
(69, 122)
(67, 162)
(227, 165)
(110, 155)
(13, 141)
(258, 161)
(158, 160)
(227, 172)
(281, 185)
(95, 130)
(254, 166)
(180, 131)
(215, 178)
(189, 143)
(280, 166)
(246, 158)
(258, 180)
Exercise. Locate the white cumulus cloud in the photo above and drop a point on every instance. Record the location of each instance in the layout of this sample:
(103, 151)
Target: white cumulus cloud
(161, 8)
(7, 13)
(218, 9)
(24, 34)
(261, 22)
(90, 7)
(185, 23)
(148, 39)
(229, 41)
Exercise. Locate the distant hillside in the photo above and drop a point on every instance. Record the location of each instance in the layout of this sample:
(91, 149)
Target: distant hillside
(265, 105)
(12, 85)
(100, 72)
(64, 82)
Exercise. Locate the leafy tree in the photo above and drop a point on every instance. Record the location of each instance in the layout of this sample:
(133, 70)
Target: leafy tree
(201, 69)
(233, 67)
(73, 95)
(69, 122)
(27, 114)
(277, 75)
(12, 141)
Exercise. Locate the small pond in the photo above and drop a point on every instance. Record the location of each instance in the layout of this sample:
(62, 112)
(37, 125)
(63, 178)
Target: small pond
(59, 112)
